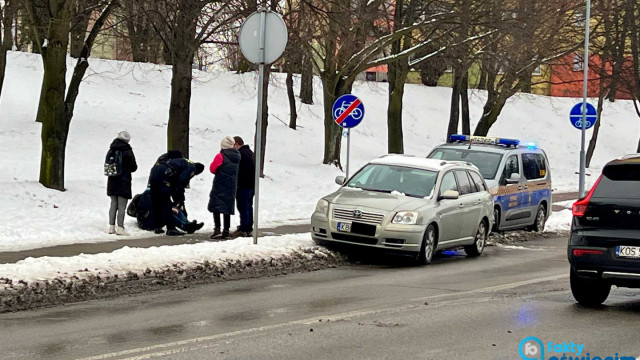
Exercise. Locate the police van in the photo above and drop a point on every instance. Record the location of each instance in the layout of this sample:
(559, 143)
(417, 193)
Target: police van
(517, 175)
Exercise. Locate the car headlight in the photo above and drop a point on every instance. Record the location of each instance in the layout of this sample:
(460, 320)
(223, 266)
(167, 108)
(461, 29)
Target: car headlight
(405, 217)
(322, 207)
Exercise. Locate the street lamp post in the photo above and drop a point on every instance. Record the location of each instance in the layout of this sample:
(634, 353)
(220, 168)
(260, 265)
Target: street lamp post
(585, 68)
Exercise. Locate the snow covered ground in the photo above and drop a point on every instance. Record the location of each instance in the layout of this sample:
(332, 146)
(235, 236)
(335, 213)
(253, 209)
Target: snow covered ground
(119, 96)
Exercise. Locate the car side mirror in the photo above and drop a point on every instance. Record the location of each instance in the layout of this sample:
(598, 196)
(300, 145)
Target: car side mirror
(340, 180)
(450, 195)
(513, 179)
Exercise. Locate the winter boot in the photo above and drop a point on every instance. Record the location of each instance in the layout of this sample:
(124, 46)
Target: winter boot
(121, 231)
(158, 230)
(224, 235)
(112, 229)
(174, 232)
(216, 233)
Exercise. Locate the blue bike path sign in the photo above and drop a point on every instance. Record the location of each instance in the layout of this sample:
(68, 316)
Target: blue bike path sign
(348, 111)
(576, 116)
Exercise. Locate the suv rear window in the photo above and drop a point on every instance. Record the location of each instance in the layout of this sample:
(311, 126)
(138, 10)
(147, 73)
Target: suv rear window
(487, 162)
(619, 181)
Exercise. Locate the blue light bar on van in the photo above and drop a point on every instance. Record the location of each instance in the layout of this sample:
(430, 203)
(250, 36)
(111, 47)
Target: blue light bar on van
(484, 140)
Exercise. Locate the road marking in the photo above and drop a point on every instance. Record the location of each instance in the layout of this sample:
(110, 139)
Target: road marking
(197, 343)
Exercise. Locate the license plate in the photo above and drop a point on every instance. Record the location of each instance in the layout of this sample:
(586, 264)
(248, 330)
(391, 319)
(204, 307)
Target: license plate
(344, 227)
(628, 251)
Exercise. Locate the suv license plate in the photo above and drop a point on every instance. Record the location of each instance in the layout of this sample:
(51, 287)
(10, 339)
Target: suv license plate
(628, 251)
(344, 227)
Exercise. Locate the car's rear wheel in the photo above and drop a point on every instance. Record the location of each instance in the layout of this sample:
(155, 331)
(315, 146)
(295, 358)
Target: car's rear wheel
(428, 246)
(588, 292)
(479, 241)
(540, 221)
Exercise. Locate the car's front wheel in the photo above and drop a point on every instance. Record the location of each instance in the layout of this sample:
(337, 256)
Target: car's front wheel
(479, 241)
(428, 246)
(588, 292)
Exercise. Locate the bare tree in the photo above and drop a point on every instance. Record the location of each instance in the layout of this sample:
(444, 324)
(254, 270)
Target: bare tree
(145, 44)
(183, 25)
(344, 46)
(531, 33)
(57, 102)
(615, 17)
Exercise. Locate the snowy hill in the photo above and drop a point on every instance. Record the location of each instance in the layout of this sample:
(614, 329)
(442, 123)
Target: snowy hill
(135, 97)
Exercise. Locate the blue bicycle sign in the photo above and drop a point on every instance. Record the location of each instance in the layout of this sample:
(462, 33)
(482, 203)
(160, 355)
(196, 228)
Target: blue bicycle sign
(575, 116)
(356, 114)
(348, 111)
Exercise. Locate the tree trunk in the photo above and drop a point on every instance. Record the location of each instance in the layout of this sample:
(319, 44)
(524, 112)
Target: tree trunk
(293, 114)
(464, 104)
(454, 112)
(55, 127)
(79, 29)
(602, 94)
(491, 111)
(394, 115)
(306, 81)
(332, 131)
(6, 39)
(179, 108)
(596, 129)
(397, 73)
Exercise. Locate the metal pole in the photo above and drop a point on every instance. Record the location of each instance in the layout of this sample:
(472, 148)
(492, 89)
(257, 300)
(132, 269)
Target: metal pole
(263, 16)
(348, 150)
(585, 66)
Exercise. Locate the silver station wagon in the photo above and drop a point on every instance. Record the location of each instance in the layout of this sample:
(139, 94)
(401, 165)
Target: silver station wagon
(408, 205)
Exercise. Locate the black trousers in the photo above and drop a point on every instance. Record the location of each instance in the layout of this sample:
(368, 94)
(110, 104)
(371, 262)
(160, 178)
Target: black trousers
(227, 221)
(161, 204)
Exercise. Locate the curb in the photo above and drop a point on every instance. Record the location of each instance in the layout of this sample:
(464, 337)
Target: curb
(21, 295)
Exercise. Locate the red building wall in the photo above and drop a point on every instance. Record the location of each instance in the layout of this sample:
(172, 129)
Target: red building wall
(567, 77)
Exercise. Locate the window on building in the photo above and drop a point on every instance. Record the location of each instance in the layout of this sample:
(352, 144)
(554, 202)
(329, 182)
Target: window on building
(578, 62)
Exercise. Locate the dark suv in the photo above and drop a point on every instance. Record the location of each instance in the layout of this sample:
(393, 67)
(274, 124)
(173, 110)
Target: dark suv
(604, 247)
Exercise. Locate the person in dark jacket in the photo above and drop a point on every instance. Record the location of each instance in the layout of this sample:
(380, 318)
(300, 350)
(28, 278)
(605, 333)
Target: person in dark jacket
(169, 176)
(223, 193)
(119, 186)
(246, 188)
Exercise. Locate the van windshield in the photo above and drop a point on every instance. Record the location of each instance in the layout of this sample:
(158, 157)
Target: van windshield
(487, 162)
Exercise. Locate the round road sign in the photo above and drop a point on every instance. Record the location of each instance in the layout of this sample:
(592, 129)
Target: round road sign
(576, 116)
(275, 37)
(348, 111)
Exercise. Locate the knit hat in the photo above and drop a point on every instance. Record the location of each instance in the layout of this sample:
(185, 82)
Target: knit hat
(124, 136)
(227, 142)
(199, 168)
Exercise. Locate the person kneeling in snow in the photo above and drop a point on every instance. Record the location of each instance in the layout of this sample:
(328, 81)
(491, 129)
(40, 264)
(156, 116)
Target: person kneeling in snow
(169, 177)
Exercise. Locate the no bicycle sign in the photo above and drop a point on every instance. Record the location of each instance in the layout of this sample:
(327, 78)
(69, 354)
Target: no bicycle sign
(348, 111)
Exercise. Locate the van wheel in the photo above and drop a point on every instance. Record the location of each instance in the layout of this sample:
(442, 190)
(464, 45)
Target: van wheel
(479, 241)
(540, 221)
(496, 219)
(588, 292)
(428, 246)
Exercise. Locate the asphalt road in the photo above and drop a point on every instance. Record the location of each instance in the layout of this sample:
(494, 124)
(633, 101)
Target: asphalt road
(454, 308)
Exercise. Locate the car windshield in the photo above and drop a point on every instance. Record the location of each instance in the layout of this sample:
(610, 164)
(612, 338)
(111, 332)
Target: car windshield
(487, 162)
(390, 178)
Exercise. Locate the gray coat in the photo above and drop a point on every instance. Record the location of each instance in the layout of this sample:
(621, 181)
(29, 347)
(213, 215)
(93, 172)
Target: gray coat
(223, 193)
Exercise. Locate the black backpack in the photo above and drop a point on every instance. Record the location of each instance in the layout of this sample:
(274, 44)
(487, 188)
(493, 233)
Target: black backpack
(113, 163)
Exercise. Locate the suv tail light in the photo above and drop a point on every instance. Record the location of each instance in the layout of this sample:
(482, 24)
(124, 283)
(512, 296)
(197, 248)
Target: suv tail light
(580, 206)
